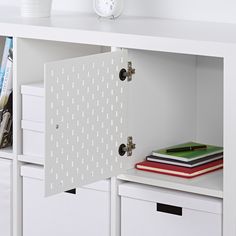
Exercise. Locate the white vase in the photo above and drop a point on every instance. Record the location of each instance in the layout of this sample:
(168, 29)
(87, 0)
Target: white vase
(36, 8)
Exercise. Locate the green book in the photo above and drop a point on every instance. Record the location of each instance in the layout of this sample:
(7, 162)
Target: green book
(188, 155)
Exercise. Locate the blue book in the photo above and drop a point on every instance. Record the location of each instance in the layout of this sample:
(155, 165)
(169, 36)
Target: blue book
(7, 47)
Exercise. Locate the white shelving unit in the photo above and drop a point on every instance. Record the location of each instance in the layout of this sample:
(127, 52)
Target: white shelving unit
(184, 89)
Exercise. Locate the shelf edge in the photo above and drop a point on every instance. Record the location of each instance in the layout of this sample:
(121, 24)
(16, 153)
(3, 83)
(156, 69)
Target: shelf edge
(171, 185)
(31, 160)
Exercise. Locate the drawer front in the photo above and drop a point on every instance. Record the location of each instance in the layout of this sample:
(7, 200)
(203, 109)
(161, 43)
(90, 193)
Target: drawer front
(84, 213)
(149, 218)
(33, 143)
(33, 108)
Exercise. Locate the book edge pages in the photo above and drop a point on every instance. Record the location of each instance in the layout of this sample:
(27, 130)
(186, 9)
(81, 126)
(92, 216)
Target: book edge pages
(184, 164)
(185, 158)
(179, 173)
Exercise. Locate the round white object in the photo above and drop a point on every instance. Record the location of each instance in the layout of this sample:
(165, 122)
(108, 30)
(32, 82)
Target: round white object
(36, 8)
(108, 8)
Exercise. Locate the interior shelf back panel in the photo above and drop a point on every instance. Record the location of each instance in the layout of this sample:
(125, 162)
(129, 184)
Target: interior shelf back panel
(86, 120)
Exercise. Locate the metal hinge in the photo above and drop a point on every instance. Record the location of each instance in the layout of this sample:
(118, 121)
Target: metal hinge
(127, 73)
(127, 148)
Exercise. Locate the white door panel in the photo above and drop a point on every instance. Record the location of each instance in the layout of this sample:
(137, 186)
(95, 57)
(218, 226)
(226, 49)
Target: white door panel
(86, 120)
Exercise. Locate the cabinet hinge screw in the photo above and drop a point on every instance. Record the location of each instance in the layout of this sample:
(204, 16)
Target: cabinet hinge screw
(127, 73)
(127, 148)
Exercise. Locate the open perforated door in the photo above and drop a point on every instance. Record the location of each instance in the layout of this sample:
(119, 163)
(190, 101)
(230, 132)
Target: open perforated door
(86, 120)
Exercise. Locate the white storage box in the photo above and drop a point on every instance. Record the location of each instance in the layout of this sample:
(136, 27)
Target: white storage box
(5, 197)
(33, 102)
(87, 212)
(154, 211)
(33, 139)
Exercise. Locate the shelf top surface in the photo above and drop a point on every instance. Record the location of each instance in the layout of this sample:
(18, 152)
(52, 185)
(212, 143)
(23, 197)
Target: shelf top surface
(6, 153)
(209, 184)
(133, 32)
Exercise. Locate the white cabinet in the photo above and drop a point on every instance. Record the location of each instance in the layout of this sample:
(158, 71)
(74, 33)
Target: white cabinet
(5, 197)
(156, 211)
(84, 211)
(90, 112)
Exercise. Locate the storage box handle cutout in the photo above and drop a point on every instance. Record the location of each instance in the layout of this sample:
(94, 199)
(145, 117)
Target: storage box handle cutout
(174, 210)
(72, 191)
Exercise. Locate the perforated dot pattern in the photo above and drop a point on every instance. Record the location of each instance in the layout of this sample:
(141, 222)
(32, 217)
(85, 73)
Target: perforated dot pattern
(86, 120)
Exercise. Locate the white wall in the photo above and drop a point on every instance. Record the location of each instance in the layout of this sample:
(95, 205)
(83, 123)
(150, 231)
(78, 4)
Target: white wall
(206, 10)
(210, 95)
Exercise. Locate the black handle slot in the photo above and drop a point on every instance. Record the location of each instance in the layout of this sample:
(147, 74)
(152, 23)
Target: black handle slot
(72, 191)
(174, 210)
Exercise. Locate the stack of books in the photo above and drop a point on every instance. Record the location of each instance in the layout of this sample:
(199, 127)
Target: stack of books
(6, 81)
(185, 160)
